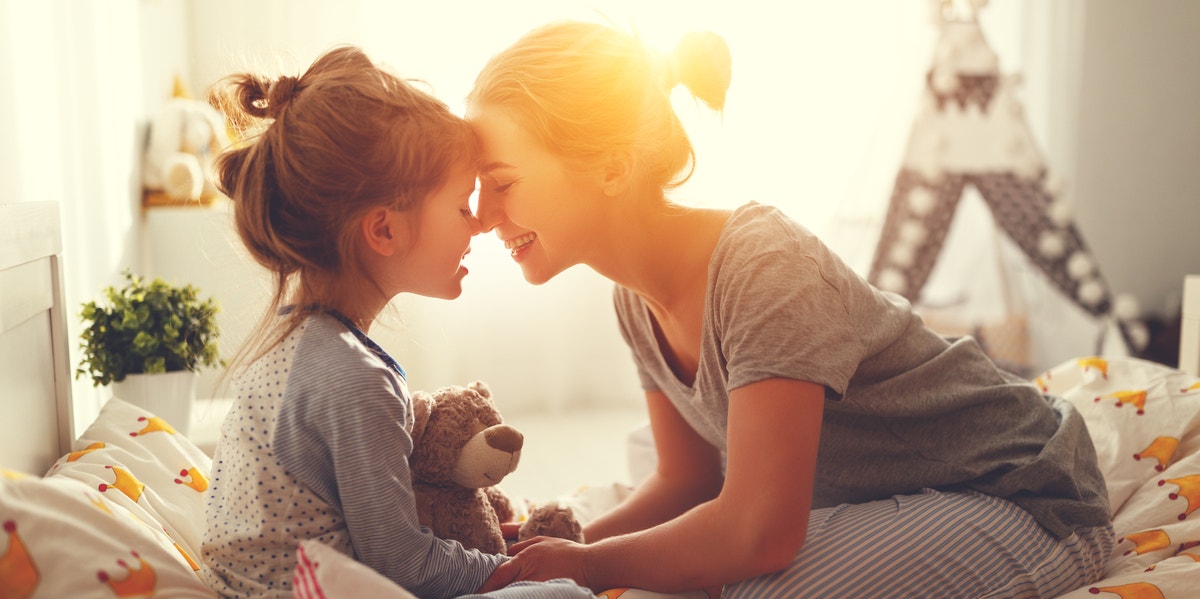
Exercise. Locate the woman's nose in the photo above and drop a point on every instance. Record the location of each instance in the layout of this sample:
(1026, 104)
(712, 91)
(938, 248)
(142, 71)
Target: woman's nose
(489, 212)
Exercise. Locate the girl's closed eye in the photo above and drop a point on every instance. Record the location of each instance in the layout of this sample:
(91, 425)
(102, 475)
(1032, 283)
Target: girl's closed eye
(503, 188)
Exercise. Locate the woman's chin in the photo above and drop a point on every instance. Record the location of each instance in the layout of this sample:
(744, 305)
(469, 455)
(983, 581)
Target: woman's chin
(538, 276)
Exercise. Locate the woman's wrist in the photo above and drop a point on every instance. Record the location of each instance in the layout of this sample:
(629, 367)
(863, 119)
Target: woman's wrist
(594, 572)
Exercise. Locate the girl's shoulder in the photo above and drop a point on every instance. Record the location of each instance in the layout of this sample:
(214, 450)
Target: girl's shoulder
(326, 345)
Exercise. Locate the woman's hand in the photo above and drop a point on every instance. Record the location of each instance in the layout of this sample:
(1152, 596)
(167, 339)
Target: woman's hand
(540, 559)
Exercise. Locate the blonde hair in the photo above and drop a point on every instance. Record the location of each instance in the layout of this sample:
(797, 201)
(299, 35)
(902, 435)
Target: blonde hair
(320, 151)
(585, 90)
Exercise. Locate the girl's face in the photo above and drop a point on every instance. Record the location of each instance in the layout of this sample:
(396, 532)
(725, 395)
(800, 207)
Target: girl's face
(433, 265)
(538, 206)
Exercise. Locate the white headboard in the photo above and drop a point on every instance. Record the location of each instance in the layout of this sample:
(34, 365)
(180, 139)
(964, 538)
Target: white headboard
(1189, 334)
(36, 426)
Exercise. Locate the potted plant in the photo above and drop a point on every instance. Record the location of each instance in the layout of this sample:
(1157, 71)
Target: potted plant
(149, 340)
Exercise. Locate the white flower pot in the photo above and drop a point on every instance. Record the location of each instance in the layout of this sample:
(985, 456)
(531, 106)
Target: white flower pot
(168, 395)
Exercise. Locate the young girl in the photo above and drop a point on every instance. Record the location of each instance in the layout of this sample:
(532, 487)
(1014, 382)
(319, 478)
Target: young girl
(814, 438)
(353, 190)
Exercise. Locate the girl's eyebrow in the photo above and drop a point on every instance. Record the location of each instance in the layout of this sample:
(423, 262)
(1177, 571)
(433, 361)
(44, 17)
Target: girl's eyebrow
(491, 166)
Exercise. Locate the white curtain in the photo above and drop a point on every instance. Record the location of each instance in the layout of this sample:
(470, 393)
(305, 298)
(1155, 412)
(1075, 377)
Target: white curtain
(71, 107)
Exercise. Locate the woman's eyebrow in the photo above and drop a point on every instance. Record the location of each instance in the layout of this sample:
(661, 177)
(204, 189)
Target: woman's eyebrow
(491, 166)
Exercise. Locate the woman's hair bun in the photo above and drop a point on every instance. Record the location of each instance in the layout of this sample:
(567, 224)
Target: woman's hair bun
(703, 64)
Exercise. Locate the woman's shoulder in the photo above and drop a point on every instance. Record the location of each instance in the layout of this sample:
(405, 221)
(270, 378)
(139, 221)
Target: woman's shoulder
(754, 231)
(754, 224)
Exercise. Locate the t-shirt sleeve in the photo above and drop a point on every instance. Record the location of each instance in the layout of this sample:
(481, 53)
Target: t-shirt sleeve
(345, 438)
(781, 311)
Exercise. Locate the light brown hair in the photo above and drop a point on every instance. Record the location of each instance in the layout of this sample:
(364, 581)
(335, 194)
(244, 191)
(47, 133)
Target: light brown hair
(584, 90)
(319, 152)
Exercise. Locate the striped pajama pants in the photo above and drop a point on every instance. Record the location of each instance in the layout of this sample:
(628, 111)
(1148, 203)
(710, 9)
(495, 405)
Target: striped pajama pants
(930, 545)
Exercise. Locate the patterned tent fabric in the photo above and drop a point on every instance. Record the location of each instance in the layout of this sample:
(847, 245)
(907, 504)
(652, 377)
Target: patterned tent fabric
(971, 132)
(916, 229)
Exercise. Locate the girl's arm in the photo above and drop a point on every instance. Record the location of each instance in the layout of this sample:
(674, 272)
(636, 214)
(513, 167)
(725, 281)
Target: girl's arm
(343, 437)
(688, 473)
(756, 524)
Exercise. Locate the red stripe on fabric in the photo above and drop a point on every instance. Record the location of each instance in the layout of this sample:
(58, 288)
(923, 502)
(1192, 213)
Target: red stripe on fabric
(304, 580)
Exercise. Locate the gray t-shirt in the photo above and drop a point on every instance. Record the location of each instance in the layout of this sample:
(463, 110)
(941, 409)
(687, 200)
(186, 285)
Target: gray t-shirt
(905, 408)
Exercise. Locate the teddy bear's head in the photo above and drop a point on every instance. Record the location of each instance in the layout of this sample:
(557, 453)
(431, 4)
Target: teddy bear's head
(459, 438)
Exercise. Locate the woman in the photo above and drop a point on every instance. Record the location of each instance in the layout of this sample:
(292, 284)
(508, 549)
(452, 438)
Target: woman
(814, 438)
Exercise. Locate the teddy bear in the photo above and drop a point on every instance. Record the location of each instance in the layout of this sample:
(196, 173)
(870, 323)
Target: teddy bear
(461, 450)
(184, 138)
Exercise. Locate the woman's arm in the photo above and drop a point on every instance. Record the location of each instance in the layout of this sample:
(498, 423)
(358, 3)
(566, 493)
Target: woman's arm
(755, 525)
(688, 473)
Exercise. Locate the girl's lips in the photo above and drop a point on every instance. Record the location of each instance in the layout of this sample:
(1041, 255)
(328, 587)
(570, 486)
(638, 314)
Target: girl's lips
(518, 244)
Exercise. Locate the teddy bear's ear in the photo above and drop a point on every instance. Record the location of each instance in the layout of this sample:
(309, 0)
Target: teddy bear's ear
(422, 408)
(481, 388)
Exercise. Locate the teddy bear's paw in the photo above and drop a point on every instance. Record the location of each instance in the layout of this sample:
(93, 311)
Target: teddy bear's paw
(551, 520)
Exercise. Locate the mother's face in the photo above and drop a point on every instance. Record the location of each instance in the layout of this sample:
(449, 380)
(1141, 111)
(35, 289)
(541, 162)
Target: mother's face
(538, 206)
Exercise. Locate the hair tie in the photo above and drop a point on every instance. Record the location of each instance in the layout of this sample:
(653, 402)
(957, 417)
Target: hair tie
(279, 94)
(668, 70)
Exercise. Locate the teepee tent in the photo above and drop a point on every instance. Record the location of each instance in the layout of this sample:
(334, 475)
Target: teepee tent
(970, 136)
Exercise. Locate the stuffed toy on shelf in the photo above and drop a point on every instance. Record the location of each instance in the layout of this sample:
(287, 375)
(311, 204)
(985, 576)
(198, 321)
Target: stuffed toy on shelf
(184, 138)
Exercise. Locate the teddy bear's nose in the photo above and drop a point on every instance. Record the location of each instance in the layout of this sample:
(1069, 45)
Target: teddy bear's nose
(504, 438)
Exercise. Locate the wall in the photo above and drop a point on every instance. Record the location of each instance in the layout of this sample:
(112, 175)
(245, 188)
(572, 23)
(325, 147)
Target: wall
(1138, 171)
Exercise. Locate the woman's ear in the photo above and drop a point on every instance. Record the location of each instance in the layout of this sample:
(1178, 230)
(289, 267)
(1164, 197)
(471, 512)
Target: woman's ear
(617, 173)
(381, 230)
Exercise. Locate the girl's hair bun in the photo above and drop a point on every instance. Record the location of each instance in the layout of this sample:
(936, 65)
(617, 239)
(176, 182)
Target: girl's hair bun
(703, 65)
(279, 94)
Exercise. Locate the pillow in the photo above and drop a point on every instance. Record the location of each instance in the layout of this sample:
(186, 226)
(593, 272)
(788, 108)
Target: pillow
(65, 538)
(139, 462)
(323, 572)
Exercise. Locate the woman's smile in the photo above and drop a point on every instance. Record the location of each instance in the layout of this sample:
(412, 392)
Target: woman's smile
(519, 244)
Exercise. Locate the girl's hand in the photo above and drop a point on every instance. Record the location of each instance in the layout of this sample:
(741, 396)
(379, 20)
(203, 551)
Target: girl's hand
(510, 530)
(540, 559)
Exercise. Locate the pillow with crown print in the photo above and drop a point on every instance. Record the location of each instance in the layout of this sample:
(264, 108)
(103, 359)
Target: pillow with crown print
(140, 462)
(61, 537)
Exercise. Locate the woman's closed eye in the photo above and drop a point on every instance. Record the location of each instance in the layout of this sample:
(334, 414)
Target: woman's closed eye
(503, 188)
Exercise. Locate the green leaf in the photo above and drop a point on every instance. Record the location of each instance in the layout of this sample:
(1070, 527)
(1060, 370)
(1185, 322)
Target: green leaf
(147, 327)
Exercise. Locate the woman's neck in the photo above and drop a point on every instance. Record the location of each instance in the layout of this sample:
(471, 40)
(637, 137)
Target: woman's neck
(662, 253)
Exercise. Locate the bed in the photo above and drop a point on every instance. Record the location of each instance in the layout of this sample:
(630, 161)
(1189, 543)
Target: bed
(128, 490)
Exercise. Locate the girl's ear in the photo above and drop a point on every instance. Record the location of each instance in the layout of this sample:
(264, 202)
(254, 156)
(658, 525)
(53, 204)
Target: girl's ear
(617, 174)
(381, 229)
